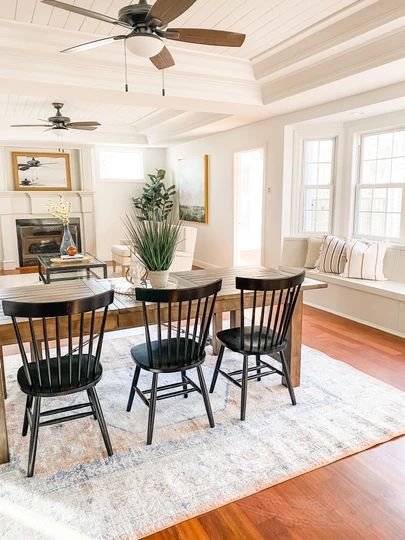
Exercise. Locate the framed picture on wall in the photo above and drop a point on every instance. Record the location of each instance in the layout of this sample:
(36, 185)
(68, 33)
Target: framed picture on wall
(192, 188)
(41, 171)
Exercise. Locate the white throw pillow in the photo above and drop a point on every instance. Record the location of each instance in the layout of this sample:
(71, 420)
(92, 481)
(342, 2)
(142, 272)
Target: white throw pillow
(313, 251)
(365, 260)
(333, 256)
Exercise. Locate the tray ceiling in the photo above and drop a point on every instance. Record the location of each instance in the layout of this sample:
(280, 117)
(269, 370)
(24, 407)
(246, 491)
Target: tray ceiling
(267, 23)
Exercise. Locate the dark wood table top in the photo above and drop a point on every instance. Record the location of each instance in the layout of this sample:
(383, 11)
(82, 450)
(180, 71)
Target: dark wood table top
(81, 288)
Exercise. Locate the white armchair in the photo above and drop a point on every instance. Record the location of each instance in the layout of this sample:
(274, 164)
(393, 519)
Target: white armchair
(183, 259)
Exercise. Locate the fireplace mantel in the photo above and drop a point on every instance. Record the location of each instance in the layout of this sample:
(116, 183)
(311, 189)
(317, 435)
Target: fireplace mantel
(24, 205)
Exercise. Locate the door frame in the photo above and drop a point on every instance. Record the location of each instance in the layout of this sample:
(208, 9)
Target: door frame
(236, 200)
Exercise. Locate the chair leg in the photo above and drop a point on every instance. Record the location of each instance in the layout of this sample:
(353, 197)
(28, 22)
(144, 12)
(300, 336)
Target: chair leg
(287, 378)
(101, 421)
(133, 387)
(183, 378)
(152, 408)
(258, 366)
(244, 387)
(25, 423)
(92, 406)
(3, 374)
(217, 368)
(205, 395)
(34, 436)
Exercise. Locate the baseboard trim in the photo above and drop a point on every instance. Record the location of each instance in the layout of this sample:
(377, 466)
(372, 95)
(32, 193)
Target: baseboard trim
(205, 265)
(356, 319)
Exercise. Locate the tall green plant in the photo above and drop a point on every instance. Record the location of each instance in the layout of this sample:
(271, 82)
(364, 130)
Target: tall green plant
(156, 201)
(154, 242)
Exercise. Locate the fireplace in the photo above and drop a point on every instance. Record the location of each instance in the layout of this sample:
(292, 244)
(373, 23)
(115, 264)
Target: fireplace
(42, 237)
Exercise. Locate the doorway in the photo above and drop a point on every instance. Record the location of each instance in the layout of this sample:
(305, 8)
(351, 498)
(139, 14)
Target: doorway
(248, 196)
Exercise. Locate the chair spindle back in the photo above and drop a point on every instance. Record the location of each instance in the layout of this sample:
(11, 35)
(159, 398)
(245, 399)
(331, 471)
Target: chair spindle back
(272, 306)
(56, 325)
(169, 309)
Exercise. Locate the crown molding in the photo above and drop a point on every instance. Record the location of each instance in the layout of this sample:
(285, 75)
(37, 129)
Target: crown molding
(357, 61)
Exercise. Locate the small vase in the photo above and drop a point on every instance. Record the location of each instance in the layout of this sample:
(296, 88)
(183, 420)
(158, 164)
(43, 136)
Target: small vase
(136, 273)
(67, 240)
(158, 279)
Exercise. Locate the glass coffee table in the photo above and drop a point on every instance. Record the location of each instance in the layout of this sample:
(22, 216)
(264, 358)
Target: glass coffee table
(50, 271)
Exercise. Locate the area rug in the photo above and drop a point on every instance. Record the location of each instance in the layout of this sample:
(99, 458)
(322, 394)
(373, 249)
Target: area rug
(78, 493)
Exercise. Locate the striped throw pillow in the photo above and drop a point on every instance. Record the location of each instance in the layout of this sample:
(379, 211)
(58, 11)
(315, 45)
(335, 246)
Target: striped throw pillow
(365, 260)
(333, 256)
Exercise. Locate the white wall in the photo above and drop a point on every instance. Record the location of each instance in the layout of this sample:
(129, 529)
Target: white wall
(112, 200)
(215, 241)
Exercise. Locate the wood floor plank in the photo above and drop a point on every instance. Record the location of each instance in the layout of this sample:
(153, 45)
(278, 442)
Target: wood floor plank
(361, 497)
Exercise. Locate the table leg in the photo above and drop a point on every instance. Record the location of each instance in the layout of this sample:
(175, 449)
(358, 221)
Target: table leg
(3, 372)
(216, 327)
(4, 453)
(105, 271)
(235, 319)
(293, 351)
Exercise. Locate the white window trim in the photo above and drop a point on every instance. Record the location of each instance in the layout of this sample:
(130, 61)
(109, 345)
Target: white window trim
(299, 187)
(358, 186)
(121, 149)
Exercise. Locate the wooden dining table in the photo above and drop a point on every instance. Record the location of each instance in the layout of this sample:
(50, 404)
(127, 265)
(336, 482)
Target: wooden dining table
(125, 313)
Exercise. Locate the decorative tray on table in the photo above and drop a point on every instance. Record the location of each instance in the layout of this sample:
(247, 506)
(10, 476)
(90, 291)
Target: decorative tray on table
(74, 259)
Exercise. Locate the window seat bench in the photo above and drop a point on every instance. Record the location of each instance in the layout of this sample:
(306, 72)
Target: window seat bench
(380, 304)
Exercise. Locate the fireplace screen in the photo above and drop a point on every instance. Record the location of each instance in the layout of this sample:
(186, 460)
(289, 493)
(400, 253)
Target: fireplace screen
(42, 237)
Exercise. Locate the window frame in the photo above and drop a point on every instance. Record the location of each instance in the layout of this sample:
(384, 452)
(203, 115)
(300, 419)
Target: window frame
(359, 186)
(122, 150)
(302, 187)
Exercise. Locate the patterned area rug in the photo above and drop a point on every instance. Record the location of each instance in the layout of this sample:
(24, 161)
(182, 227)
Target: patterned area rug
(78, 493)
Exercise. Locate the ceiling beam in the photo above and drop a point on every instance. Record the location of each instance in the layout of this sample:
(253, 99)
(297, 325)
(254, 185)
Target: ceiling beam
(381, 17)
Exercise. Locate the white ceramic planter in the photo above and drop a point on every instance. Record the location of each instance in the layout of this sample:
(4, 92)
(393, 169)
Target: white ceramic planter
(159, 279)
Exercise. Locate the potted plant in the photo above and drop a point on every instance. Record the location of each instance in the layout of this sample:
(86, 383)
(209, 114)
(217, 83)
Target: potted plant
(154, 244)
(156, 201)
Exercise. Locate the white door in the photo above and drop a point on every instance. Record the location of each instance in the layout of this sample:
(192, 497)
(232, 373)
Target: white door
(248, 185)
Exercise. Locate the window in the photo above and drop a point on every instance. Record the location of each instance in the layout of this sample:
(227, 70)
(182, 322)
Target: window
(380, 185)
(317, 180)
(120, 164)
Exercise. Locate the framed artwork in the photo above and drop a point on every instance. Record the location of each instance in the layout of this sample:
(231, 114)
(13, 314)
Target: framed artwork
(192, 188)
(40, 171)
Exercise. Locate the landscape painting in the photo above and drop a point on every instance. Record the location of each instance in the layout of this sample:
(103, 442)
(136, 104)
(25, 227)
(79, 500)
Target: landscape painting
(41, 171)
(192, 186)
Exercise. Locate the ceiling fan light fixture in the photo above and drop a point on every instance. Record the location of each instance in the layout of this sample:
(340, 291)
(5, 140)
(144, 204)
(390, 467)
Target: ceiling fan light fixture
(146, 45)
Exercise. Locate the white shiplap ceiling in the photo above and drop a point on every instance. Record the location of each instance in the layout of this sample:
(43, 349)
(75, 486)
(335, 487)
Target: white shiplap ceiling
(298, 53)
(16, 109)
(266, 23)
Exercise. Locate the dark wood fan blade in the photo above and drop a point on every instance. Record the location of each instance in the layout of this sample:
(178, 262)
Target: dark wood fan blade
(163, 60)
(92, 44)
(29, 125)
(84, 128)
(204, 36)
(83, 124)
(23, 167)
(164, 11)
(85, 12)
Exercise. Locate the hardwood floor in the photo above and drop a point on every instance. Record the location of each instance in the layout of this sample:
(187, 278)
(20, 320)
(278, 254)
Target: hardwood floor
(360, 497)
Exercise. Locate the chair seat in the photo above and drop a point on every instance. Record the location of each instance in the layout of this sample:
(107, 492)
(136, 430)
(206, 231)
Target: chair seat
(77, 383)
(231, 338)
(165, 362)
(121, 250)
